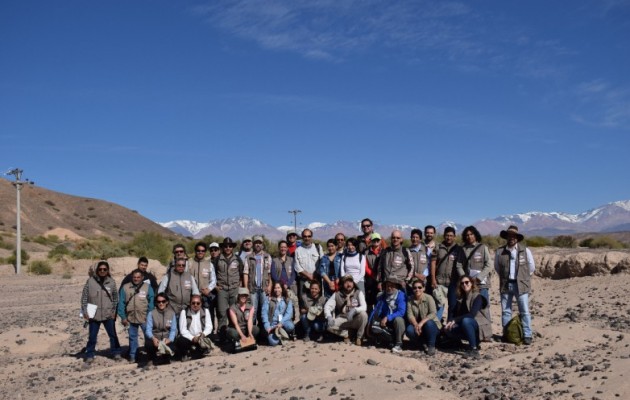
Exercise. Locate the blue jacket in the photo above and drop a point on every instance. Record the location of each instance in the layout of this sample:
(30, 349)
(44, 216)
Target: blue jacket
(324, 266)
(382, 310)
(282, 311)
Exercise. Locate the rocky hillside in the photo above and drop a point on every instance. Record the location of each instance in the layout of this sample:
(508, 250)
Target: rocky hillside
(558, 263)
(45, 210)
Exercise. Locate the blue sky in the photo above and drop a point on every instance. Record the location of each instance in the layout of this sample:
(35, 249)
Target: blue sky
(409, 112)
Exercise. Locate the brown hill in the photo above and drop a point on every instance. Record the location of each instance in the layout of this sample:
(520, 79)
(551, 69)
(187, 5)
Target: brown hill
(48, 212)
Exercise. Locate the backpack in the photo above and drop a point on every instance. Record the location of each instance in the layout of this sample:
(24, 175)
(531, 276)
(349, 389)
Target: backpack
(513, 332)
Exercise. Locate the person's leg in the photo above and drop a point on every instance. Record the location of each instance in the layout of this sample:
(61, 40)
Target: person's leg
(114, 344)
(223, 297)
(360, 321)
(306, 326)
(133, 341)
(485, 293)
(398, 325)
(255, 332)
(506, 305)
(411, 334)
(469, 330)
(93, 328)
(430, 332)
(526, 318)
(212, 308)
(232, 334)
(361, 286)
(452, 299)
(150, 349)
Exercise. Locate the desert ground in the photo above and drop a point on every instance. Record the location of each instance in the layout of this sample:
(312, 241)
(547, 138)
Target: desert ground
(581, 350)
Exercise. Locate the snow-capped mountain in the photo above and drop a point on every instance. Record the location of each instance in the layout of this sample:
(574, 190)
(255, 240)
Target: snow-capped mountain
(608, 218)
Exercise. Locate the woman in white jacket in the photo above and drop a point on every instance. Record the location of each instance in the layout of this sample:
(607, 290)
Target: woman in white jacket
(353, 263)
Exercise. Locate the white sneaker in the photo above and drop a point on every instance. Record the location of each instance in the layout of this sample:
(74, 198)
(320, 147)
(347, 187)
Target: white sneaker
(397, 349)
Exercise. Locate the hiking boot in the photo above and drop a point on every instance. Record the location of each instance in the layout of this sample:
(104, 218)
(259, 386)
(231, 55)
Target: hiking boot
(527, 341)
(346, 340)
(117, 357)
(89, 360)
(397, 349)
(306, 338)
(431, 351)
(132, 360)
(359, 342)
(472, 352)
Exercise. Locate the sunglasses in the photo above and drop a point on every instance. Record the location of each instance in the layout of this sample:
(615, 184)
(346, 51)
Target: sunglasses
(306, 236)
(200, 251)
(162, 301)
(466, 282)
(365, 226)
(418, 288)
(179, 251)
(180, 265)
(396, 237)
(102, 269)
(195, 303)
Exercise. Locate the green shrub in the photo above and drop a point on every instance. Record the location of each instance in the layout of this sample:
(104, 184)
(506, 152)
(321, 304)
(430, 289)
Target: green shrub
(537, 241)
(39, 267)
(46, 240)
(151, 245)
(564, 241)
(602, 242)
(58, 252)
(101, 248)
(5, 245)
(13, 258)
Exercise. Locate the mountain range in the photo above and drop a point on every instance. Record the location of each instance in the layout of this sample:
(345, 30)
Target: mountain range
(612, 217)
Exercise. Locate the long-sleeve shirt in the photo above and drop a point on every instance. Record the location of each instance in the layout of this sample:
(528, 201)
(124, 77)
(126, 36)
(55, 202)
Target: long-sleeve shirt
(171, 334)
(195, 328)
(513, 253)
(353, 265)
(122, 307)
(306, 259)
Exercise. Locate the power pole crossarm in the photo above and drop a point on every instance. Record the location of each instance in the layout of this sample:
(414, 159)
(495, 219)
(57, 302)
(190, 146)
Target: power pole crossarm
(295, 213)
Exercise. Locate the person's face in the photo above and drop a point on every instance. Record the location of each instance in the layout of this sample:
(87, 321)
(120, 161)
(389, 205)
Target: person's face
(341, 241)
(180, 266)
(258, 247)
(390, 287)
(142, 266)
(136, 278)
(242, 299)
(292, 238)
(396, 239)
(247, 245)
(512, 240)
(200, 252)
(348, 286)
(228, 249)
(351, 247)
(429, 234)
(449, 238)
(307, 238)
(466, 285)
(418, 289)
(415, 239)
(214, 251)
(375, 242)
(102, 271)
(283, 248)
(331, 248)
(179, 252)
(315, 290)
(367, 227)
(161, 303)
(277, 290)
(469, 237)
(195, 304)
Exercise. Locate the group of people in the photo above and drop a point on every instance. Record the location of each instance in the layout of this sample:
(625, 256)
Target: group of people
(359, 288)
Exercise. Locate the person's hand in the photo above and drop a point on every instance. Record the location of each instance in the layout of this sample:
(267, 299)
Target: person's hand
(205, 292)
(86, 317)
(331, 285)
(434, 283)
(384, 322)
(379, 287)
(156, 342)
(331, 322)
(125, 322)
(418, 329)
(243, 337)
(195, 339)
(166, 341)
(449, 325)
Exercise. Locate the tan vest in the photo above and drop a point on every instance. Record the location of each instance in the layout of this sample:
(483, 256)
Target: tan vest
(137, 303)
(523, 278)
(445, 266)
(242, 316)
(201, 270)
(102, 298)
(229, 272)
(266, 270)
(179, 290)
(162, 322)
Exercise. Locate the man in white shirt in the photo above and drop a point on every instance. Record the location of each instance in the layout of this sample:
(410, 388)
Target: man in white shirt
(195, 327)
(306, 260)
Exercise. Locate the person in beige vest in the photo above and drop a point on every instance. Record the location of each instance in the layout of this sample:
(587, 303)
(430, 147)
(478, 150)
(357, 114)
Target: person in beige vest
(346, 311)
(136, 301)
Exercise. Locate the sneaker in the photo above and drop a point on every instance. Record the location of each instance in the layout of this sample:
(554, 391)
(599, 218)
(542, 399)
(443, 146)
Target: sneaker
(132, 360)
(527, 341)
(306, 338)
(359, 342)
(346, 340)
(117, 357)
(472, 353)
(185, 358)
(89, 360)
(397, 349)
(431, 351)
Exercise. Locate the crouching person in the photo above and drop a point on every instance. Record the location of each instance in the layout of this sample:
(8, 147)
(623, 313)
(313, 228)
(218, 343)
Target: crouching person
(277, 315)
(195, 327)
(241, 316)
(424, 325)
(387, 319)
(312, 311)
(345, 311)
(161, 331)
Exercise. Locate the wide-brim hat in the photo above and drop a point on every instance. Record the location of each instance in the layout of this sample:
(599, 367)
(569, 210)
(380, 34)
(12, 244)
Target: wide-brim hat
(281, 333)
(346, 278)
(227, 241)
(513, 230)
(394, 280)
(242, 291)
(314, 312)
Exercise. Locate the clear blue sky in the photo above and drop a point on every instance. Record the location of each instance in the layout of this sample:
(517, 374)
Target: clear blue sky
(406, 111)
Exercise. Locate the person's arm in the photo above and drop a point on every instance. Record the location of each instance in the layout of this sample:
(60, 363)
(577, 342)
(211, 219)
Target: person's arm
(496, 261)
(268, 288)
(234, 321)
(183, 328)
(207, 329)
(401, 307)
(329, 307)
(114, 292)
(292, 275)
(172, 334)
(163, 284)
(122, 313)
(411, 267)
(433, 270)
(195, 287)
(148, 330)
(362, 267)
(150, 300)
(432, 311)
(342, 267)
(459, 263)
(245, 277)
(264, 314)
(530, 261)
(362, 304)
(486, 269)
(274, 276)
(250, 322)
(213, 278)
(288, 313)
(84, 300)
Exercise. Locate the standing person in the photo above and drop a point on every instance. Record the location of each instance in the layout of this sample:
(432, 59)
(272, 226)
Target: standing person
(202, 270)
(161, 330)
(282, 271)
(246, 248)
(340, 241)
(367, 227)
(514, 263)
(424, 325)
(179, 251)
(179, 285)
(292, 238)
(443, 272)
(345, 311)
(395, 261)
(136, 301)
(242, 319)
(143, 265)
(389, 312)
(195, 327)
(215, 252)
(306, 260)
(329, 268)
(353, 263)
(312, 311)
(257, 274)
(277, 315)
(100, 291)
(470, 319)
(420, 255)
(474, 260)
(429, 239)
(229, 268)
(372, 255)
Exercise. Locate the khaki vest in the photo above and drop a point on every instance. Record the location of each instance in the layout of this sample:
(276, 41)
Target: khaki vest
(162, 322)
(251, 268)
(242, 316)
(179, 290)
(137, 304)
(343, 302)
(445, 266)
(201, 270)
(229, 272)
(482, 317)
(420, 259)
(102, 298)
(523, 279)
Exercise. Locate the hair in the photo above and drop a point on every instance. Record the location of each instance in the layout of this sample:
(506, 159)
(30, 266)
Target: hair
(285, 294)
(180, 259)
(143, 259)
(137, 271)
(331, 241)
(307, 230)
(367, 220)
(416, 231)
(282, 241)
(354, 242)
(430, 227)
(316, 282)
(202, 244)
(192, 296)
(179, 246)
(449, 229)
(473, 287)
(102, 262)
(474, 231)
(339, 233)
(162, 295)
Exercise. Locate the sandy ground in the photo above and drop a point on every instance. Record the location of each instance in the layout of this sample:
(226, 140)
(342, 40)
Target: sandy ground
(581, 350)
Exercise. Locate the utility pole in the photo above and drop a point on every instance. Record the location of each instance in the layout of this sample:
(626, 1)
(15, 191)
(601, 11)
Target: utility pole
(295, 213)
(17, 173)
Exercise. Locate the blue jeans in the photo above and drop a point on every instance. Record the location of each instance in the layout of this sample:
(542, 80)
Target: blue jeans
(318, 325)
(452, 299)
(257, 298)
(485, 293)
(429, 333)
(271, 337)
(467, 329)
(133, 338)
(523, 308)
(110, 328)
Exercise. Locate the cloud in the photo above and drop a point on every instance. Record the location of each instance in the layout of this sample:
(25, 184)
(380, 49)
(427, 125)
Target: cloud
(602, 104)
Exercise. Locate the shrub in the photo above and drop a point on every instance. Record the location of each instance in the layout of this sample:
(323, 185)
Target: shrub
(5, 245)
(13, 258)
(564, 241)
(101, 248)
(39, 267)
(152, 245)
(605, 242)
(537, 241)
(58, 252)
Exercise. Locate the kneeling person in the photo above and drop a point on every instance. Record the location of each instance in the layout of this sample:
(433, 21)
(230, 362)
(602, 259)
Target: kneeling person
(241, 317)
(161, 330)
(277, 315)
(389, 313)
(346, 311)
(195, 327)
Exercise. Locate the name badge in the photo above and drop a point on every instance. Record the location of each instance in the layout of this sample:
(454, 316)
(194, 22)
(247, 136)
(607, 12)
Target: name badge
(205, 272)
(142, 294)
(187, 284)
(234, 264)
(398, 260)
